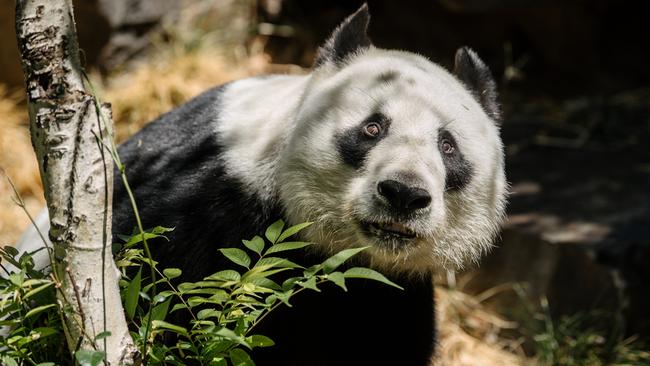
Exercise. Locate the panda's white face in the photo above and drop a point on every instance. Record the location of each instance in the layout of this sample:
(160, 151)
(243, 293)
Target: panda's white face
(393, 152)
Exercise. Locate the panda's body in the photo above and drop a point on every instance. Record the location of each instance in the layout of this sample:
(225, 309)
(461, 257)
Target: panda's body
(378, 148)
(188, 183)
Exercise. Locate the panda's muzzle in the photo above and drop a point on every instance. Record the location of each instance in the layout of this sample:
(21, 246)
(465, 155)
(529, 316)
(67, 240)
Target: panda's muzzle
(389, 230)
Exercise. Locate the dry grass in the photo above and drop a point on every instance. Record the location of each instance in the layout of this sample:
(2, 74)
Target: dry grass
(469, 334)
(17, 159)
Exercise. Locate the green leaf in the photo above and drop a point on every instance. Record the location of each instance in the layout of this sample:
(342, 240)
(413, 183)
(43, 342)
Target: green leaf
(218, 361)
(11, 251)
(46, 364)
(290, 245)
(338, 278)
(270, 262)
(8, 361)
(102, 335)
(239, 357)
(370, 274)
(43, 332)
(312, 270)
(337, 259)
(17, 278)
(310, 284)
(290, 283)
(232, 336)
(273, 231)
(178, 307)
(89, 358)
(237, 256)
(172, 272)
(161, 324)
(266, 283)
(159, 312)
(293, 230)
(138, 238)
(37, 310)
(225, 275)
(131, 296)
(256, 244)
(260, 341)
(284, 296)
(35, 291)
(208, 313)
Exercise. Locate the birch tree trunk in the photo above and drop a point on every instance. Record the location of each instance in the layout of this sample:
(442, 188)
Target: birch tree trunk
(77, 175)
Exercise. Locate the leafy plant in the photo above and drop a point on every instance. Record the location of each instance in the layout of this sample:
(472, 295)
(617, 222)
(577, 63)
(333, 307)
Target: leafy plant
(226, 307)
(590, 338)
(31, 321)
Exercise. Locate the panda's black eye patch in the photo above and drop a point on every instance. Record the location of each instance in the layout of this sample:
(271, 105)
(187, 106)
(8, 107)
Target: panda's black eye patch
(458, 169)
(355, 143)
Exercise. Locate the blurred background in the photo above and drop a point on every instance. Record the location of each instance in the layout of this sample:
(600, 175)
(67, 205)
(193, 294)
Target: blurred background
(568, 282)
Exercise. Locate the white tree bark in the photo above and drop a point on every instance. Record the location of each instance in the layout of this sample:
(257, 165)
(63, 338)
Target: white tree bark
(77, 174)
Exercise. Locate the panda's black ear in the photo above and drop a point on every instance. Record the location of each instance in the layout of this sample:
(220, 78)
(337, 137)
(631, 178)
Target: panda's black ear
(476, 76)
(349, 37)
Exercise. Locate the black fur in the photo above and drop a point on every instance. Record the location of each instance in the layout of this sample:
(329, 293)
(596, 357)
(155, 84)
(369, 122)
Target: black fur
(459, 170)
(350, 37)
(476, 76)
(177, 175)
(354, 145)
(371, 324)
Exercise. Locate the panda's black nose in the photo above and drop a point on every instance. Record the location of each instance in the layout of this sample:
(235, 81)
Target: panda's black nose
(402, 197)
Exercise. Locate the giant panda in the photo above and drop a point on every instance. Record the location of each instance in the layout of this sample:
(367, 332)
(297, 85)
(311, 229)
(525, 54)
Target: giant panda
(378, 148)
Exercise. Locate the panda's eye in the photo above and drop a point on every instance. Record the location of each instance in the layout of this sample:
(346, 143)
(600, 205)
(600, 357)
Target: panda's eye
(447, 147)
(372, 129)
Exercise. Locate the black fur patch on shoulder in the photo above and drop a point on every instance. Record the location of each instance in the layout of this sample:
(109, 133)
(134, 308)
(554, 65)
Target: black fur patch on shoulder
(348, 38)
(353, 145)
(175, 170)
(476, 76)
(458, 169)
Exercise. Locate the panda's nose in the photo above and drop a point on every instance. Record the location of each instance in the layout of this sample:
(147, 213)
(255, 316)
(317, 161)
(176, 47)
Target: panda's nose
(402, 197)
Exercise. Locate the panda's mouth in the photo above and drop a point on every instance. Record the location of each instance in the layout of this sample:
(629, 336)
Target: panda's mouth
(388, 230)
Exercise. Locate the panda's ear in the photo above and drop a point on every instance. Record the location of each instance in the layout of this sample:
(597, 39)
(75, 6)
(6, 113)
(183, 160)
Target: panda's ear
(476, 76)
(350, 37)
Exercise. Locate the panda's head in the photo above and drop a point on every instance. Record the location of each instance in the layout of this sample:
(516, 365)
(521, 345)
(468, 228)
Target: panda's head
(393, 152)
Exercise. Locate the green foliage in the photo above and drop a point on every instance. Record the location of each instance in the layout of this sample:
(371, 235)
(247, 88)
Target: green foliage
(225, 307)
(29, 311)
(589, 338)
